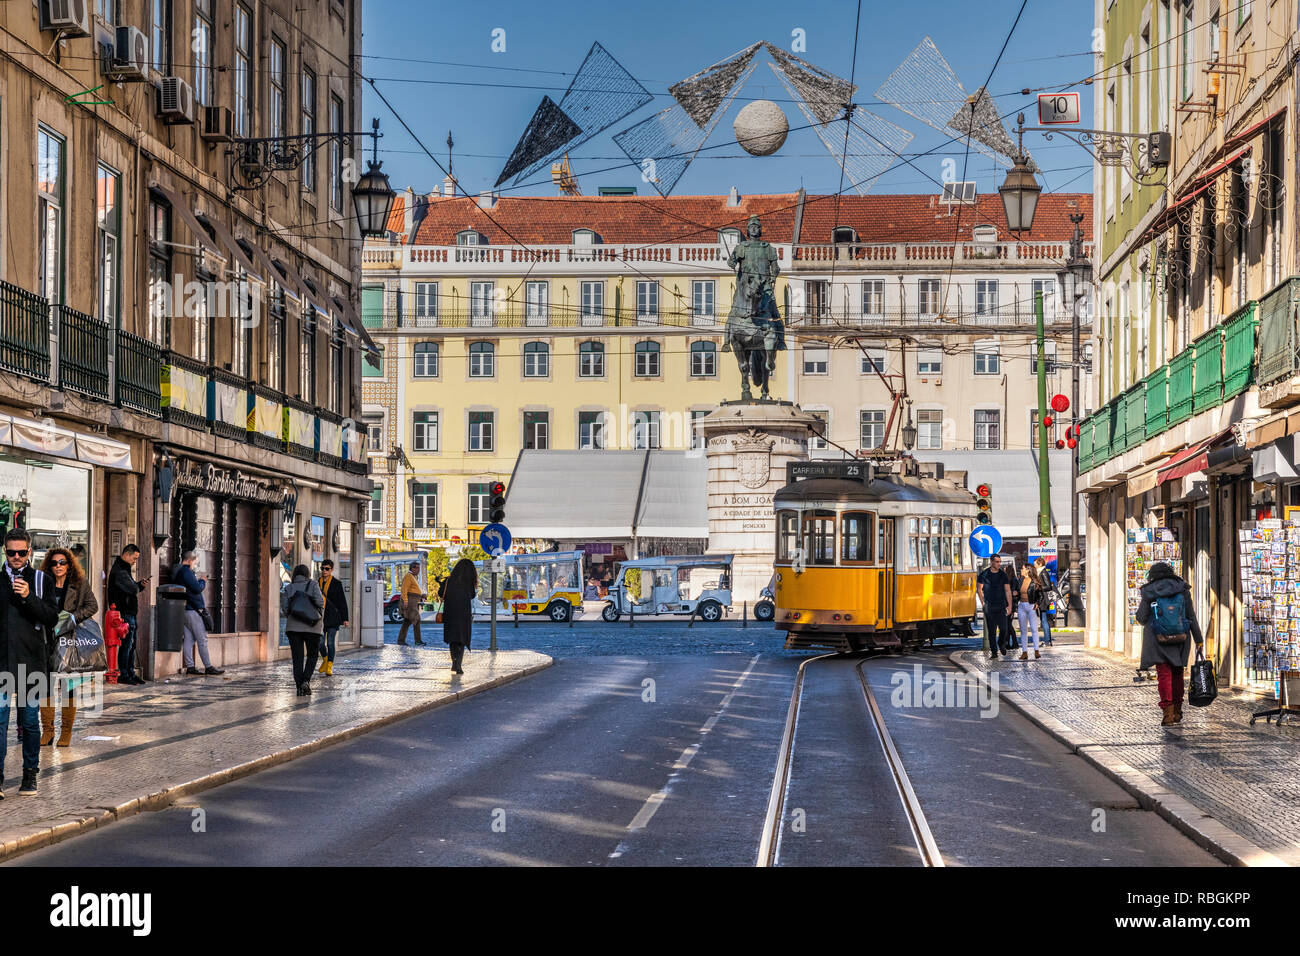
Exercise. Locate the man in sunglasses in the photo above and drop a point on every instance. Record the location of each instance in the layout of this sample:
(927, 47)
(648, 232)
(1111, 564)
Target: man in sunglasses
(28, 614)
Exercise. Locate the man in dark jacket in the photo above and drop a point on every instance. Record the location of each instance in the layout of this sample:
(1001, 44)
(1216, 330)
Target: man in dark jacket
(1170, 659)
(28, 614)
(123, 592)
(196, 632)
(995, 588)
(336, 614)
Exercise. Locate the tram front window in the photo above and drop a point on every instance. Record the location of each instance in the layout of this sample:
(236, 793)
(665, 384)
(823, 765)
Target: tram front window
(856, 532)
(819, 537)
(787, 535)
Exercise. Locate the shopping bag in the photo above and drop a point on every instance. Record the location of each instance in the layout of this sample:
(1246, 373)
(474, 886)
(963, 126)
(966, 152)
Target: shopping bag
(82, 651)
(1204, 686)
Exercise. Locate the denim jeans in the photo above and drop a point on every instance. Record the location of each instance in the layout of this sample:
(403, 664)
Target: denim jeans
(126, 653)
(327, 643)
(29, 721)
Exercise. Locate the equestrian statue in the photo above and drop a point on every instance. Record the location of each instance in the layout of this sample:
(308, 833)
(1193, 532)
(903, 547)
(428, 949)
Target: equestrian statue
(754, 329)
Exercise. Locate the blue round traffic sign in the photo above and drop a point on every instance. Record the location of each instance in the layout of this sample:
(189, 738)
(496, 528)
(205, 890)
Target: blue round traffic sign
(495, 539)
(985, 541)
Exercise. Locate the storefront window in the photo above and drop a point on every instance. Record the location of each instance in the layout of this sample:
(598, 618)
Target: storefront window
(52, 501)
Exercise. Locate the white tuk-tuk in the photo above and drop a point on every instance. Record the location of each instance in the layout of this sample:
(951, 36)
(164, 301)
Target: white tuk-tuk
(691, 584)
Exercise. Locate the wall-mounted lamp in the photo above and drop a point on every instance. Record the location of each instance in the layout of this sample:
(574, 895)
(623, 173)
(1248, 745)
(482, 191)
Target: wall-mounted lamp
(164, 478)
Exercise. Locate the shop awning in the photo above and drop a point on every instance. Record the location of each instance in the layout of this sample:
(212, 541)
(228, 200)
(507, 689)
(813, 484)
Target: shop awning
(231, 245)
(575, 494)
(268, 269)
(181, 207)
(104, 452)
(1274, 462)
(1191, 459)
(352, 322)
(1013, 473)
(313, 295)
(46, 439)
(673, 501)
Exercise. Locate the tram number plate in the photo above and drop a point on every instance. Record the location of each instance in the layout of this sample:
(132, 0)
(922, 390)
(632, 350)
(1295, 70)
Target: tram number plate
(851, 470)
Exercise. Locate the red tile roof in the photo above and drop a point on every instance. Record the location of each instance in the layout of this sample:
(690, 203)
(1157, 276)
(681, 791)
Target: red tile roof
(551, 220)
(397, 215)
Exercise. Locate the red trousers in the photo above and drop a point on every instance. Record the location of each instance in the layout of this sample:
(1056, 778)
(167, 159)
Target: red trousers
(1169, 680)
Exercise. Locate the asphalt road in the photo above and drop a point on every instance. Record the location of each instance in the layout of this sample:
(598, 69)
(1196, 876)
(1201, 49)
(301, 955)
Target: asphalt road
(664, 757)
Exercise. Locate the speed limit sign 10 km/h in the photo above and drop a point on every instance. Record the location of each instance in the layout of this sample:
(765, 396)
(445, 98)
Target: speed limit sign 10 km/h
(1058, 109)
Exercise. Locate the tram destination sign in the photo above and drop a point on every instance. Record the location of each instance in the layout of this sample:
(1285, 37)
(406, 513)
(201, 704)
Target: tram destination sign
(845, 470)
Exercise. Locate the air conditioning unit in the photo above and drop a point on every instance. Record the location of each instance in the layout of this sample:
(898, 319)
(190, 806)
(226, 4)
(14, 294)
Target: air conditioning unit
(218, 124)
(130, 54)
(70, 17)
(175, 101)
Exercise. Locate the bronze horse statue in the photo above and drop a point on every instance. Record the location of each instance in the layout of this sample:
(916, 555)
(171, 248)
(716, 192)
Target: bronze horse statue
(754, 330)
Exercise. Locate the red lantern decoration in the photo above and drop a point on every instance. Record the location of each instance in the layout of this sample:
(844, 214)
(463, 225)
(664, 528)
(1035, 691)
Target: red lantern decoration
(1047, 421)
(1071, 443)
(1078, 431)
(1060, 403)
(1060, 443)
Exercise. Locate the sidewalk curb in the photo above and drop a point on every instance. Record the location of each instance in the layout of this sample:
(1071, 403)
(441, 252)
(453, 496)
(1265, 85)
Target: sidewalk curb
(1204, 830)
(25, 839)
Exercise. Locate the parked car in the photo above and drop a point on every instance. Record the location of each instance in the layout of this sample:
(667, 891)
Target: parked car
(393, 608)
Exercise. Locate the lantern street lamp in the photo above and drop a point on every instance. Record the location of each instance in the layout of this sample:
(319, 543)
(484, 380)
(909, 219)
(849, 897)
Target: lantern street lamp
(1019, 191)
(373, 197)
(909, 430)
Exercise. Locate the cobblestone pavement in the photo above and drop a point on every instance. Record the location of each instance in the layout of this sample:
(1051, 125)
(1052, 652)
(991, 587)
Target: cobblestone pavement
(1245, 777)
(157, 741)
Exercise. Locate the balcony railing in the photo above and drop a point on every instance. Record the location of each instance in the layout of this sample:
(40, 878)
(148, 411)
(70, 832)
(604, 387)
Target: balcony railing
(956, 316)
(24, 333)
(83, 352)
(810, 256)
(139, 374)
(552, 318)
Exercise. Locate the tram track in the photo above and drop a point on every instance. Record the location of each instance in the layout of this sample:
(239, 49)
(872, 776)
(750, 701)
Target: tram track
(769, 848)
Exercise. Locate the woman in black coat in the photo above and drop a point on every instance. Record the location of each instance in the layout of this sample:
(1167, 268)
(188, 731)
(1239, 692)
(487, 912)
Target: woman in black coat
(457, 610)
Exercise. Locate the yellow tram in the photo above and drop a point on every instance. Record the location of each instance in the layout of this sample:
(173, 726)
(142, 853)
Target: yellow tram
(872, 554)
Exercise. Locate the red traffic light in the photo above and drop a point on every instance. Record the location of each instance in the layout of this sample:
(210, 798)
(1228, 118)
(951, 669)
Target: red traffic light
(983, 491)
(1060, 403)
(498, 488)
(1047, 421)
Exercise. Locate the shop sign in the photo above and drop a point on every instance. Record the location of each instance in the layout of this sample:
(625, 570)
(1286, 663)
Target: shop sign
(1044, 548)
(208, 479)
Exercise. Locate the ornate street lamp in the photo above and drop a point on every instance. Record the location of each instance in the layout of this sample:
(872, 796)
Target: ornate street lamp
(1019, 193)
(909, 430)
(373, 196)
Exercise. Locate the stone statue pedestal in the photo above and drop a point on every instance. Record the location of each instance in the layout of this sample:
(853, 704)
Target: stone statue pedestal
(747, 445)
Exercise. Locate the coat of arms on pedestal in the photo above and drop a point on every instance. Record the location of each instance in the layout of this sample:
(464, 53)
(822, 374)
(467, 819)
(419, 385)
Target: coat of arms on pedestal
(754, 458)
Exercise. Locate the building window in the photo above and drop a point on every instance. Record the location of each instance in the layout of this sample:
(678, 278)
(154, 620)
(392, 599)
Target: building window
(818, 292)
(374, 434)
(645, 430)
(470, 238)
(988, 428)
(201, 42)
(988, 360)
(160, 271)
(537, 303)
(480, 502)
(482, 360)
(1087, 357)
(243, 71)
(426, 303)
(1189, 40)
(426, 359)
(244, 324)
(817, 442)
(309, 127)
(109, 237)
(200, 321)
(424, 504)
(537, 430)
(646, 360)
(50, 174)
(1047, 287)
(702, 306)
(873, 361)
(1243, 11)
(480, 431)
(1049, 350)
(275, 340)
(986, 296)
(929, 361)
(704, 359)
(591, 430)
(537, 360)
(647, 301)
(873, 297)
(929, 428)
(278, 118)
(593, 303)
(816, 358)
(307, 357)
(591, 360)
(161, 23)
(375, 507)
(928, 297)
(697, 433)
(336, 366)
(872, 429)
(336, 155)
(481, 303)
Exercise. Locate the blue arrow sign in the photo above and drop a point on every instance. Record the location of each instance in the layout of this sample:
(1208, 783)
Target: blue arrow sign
(495, 539)
(985, 541)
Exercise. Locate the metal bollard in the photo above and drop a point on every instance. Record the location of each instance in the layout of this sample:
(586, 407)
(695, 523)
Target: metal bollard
(631, 613)
(744, 614)
(516, 606)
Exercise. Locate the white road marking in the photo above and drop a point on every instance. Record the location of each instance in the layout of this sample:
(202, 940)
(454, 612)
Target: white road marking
(656, 800)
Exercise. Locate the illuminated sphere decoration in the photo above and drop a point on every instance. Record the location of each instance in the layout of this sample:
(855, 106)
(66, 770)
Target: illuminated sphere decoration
(761, 128)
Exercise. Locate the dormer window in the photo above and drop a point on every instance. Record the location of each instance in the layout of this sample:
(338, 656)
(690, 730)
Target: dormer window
(844, 234)
(469, 237)
(984, 234)
(729, 238)
(585, 237)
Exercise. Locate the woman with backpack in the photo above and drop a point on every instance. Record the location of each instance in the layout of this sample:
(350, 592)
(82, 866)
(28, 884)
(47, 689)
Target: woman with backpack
(1167, 620)
(303, 607)
(1031, 595)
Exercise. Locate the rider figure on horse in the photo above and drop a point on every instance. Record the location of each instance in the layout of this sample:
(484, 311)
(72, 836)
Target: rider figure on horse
(754, 309)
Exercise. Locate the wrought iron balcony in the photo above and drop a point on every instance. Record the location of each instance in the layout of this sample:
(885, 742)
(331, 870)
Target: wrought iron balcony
(24, 333)
(139, 374)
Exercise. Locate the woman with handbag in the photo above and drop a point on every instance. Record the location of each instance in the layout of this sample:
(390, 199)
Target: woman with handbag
(1168, 621)
(72, 593)
(458, 610)
(303, 607)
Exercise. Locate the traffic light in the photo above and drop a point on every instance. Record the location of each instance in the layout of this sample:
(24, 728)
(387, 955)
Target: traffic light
(497, 512)
(984, 502)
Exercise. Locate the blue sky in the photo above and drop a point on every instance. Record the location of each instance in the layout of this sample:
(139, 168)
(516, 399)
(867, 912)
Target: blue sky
(435, 63)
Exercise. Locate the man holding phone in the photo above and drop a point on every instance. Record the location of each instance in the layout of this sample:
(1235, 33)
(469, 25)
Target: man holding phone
(28, 613)
(123, 592)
